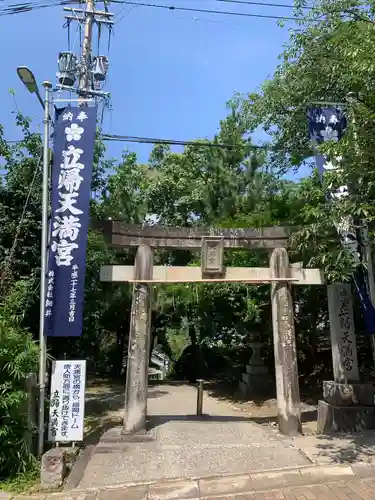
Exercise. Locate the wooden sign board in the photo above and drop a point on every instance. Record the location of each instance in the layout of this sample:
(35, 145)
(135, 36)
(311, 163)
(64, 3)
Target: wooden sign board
(212, 256)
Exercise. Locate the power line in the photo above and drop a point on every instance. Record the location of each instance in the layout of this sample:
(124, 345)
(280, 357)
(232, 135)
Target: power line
(262, 4)
(173, 142)
(153, 140)
(19, 8)
(117, 21)
(206, 11)
(178, 142)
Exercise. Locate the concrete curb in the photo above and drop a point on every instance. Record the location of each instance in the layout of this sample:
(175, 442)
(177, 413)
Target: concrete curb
(218, 486)
(78, 469)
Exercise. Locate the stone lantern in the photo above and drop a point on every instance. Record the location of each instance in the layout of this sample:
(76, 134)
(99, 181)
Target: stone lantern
(255, 380)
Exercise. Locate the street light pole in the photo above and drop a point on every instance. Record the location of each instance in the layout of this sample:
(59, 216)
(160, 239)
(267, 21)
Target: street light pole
(28, 79)
(43, 267)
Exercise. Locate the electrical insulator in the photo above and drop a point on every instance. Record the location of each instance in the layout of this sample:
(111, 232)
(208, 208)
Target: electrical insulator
(68, 68)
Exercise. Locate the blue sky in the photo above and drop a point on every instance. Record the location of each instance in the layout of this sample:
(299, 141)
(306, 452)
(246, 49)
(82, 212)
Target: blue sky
(171, 72)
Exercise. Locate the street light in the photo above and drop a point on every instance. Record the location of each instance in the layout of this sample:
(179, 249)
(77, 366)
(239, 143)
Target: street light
(29, 81)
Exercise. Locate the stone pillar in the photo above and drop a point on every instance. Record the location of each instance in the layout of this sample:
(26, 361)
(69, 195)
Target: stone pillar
(341, 321)
(139, 345)
(348, 404)
(256, 380)
(287, 386)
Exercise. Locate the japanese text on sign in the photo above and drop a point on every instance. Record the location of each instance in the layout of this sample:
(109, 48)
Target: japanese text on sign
(74, 141)
(345, 325)
(344, 351)
(66, 227)
(66, 416)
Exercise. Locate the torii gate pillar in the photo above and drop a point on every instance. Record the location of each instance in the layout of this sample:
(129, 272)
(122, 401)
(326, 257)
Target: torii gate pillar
(287, 386)
(139, 345)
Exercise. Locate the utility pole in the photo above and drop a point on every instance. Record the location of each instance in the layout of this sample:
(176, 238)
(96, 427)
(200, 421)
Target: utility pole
(91, 70)
(87, 46)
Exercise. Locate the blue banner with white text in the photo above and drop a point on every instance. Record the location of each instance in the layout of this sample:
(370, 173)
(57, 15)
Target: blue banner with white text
(73, 153)
(329, 124)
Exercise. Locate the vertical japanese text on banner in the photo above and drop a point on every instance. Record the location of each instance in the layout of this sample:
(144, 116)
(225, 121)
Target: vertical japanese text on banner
(71, 190)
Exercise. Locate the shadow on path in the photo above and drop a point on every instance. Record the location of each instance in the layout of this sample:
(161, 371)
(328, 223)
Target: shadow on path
(346, 448)
(306, 416)
(104, 407)
(228, 391)
(157, 420)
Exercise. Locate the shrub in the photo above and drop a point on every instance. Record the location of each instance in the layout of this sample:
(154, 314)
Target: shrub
(18, 358)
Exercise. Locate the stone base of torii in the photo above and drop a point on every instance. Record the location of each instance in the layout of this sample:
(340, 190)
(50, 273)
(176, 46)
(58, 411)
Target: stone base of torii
(280, 275)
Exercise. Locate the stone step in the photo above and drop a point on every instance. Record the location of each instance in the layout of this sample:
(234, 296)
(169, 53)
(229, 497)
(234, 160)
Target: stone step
(332, 418)
(248, 390)
(243, 387)
(341, 394)
(255, 380)
(256, 369)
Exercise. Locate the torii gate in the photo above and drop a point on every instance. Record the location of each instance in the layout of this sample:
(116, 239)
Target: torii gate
(212, 242)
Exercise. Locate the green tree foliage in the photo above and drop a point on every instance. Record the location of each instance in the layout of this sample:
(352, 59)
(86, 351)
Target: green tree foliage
(18, 359)
(328, 56)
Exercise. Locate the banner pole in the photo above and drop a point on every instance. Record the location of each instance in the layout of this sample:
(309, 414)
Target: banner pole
(370, 268)
(367, 254)
(371, 282)
(43, 266)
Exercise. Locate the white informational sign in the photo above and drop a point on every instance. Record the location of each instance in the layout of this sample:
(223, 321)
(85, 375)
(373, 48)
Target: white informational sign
(67, 401)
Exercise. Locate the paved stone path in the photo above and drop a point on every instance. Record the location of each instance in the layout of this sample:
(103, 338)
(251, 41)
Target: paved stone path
(183, 446)
(340, 490)
(338, 448)
(353, 490)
